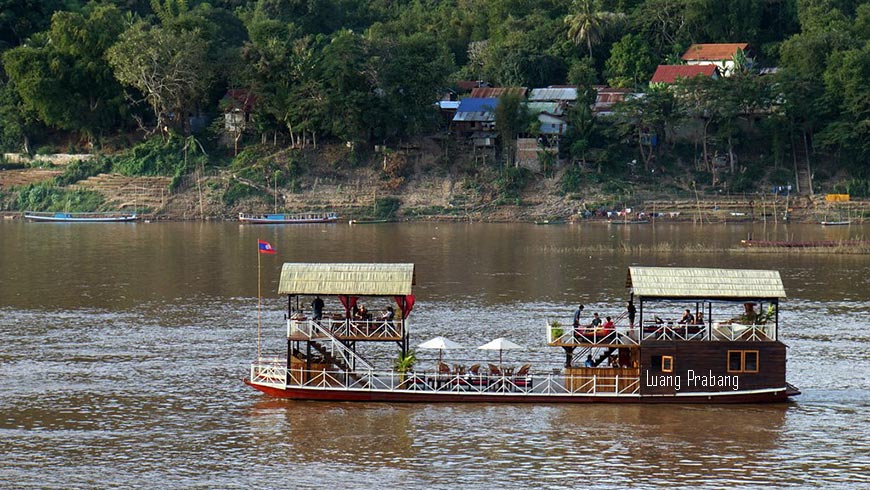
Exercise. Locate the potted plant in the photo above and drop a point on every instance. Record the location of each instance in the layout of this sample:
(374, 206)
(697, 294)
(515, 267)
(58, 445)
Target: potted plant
(556, 330)
(404, 364)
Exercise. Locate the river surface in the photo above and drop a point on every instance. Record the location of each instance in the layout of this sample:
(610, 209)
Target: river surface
(122, 349)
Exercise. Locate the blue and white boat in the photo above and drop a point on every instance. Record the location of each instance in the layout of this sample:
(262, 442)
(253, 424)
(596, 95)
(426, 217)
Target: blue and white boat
(64, 217)
(287, 219)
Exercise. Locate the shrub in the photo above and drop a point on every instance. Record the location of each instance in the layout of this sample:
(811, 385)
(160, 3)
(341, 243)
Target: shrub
(48, 197)
(386, 207)
(82, 169)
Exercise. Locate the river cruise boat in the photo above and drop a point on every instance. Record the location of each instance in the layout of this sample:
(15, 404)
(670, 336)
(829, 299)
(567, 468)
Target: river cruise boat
(698, 336)
(287, 219)
(62, 217)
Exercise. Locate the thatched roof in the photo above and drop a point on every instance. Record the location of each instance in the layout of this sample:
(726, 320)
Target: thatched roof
(346, 279)
(680, 282)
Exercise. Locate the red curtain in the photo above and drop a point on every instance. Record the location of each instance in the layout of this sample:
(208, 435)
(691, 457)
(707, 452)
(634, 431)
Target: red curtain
(406, 304)
(348, 302)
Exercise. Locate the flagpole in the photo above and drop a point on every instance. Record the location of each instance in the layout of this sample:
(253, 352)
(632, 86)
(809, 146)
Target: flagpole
(259, 299)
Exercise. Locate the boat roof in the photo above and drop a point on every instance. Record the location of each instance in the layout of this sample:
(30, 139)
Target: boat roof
(346, 279)
(702, 283)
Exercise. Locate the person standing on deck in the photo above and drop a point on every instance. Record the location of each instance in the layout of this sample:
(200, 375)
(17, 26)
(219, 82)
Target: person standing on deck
(631, 313)
(317, 306)
(577, 321)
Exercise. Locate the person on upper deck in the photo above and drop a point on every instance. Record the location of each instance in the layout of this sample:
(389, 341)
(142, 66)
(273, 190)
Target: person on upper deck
(317, 306)
(632, 311)
(699, 319)
(388, 314)
(608, 324)
(596, 321)
(577, 314)
(687, 318)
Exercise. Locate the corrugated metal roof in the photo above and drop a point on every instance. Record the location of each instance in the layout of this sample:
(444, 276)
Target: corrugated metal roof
(678, 282)
(713, 52)
(349, 279)
(487, 92)
(670, 73)
(554, 94)
(553, 108)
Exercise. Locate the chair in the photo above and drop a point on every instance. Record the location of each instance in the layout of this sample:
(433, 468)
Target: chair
(521, 377)
(443, 368)
(494, 370)
(475, 377)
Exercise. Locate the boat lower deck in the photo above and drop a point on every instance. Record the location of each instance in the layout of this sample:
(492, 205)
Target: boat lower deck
(575, 385)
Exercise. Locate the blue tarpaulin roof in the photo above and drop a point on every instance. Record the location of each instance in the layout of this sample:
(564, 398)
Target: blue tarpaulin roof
(476, 109)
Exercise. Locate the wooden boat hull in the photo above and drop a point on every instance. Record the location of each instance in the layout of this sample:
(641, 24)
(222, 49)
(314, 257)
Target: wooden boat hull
(629, 222)
(368, 221)
(807, 244)
(75, 218)
(778, 395)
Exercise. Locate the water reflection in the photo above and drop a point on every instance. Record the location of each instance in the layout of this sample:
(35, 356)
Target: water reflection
(123, 347)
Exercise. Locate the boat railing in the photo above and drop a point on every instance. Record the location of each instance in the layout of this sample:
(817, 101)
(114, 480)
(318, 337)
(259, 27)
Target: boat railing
(275, 374)
(584, 335)
(741, 332)
(337, 349)
(674, 331)
(369, 329)
(269, 372)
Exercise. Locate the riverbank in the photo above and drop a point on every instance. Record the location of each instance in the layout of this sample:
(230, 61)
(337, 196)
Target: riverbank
(417, 185)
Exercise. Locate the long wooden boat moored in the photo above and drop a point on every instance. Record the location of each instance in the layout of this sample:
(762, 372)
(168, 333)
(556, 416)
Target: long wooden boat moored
(62, 217)
(729, 352)
(287, 219)
(804, 244)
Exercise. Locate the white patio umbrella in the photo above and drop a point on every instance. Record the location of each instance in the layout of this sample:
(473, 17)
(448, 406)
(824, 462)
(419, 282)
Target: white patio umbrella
(440, 343)
(500, 344)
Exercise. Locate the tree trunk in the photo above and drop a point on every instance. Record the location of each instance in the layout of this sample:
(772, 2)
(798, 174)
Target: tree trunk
(731, 154)
(704, 145)
(809, 169)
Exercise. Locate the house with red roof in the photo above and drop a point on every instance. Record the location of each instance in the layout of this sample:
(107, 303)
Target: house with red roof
(720, 55)
(668, 74)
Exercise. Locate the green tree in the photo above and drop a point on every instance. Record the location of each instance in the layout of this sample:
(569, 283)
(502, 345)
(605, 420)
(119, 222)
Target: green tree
(645, 121)
(511, 118)
(169, 68)
(64, 78)
(588, 24)
(631, 62)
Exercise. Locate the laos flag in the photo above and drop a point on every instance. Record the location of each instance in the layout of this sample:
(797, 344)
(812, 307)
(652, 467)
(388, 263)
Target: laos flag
(265, 247)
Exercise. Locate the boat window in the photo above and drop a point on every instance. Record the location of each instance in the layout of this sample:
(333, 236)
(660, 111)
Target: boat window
(667, 364)
(735, 361)
(750, 361)
(662, 364)
(742, 361)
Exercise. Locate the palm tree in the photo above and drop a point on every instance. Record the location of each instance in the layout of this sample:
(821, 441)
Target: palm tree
(589, 24)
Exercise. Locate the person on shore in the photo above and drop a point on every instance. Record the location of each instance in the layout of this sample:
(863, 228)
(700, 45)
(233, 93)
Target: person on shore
(632, 311)
(317, 306)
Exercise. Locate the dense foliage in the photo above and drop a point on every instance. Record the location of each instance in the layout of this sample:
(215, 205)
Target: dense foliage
(367, 72)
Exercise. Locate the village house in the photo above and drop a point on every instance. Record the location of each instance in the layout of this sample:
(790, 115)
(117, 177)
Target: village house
(723, 56)
(668, 74)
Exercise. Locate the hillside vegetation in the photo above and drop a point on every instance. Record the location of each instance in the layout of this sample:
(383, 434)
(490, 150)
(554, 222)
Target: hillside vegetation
(252, 101)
